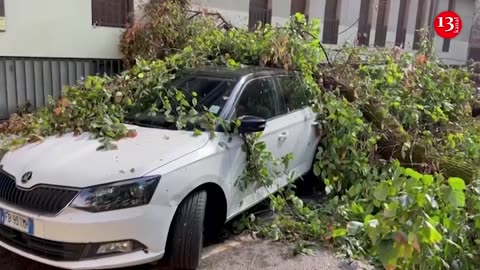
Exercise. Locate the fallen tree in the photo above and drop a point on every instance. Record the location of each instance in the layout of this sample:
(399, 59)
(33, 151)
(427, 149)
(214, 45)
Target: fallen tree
(408, 109)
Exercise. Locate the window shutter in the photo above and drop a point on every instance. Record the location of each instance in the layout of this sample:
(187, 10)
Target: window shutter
(259, 11)
(2, 8)
(419, 23)
(2, 16)
(298, 6)
(113, 13)
(382, 21)
(402, 23)
(331, 23)
(364, 26)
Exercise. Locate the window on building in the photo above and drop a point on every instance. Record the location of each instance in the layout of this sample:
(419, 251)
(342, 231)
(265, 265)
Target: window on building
(419, 23)
(402, 23)
(299, 6)
(112, 13)
(446, 42)
(331, 22)
(364, 23)
(382, 22)
(260, 11)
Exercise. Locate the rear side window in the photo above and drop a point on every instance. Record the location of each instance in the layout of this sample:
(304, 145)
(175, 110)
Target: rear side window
(293, 92)
(257, 99)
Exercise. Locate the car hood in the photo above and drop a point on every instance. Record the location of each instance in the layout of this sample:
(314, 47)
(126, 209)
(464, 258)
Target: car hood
(74, 161)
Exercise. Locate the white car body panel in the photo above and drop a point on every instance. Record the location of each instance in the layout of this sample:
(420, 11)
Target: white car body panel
(76, 157)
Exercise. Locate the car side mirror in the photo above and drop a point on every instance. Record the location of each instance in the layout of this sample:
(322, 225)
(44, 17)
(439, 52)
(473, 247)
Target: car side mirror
(251, 124)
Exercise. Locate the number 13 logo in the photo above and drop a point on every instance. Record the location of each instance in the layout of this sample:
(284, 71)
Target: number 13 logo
(448, 24)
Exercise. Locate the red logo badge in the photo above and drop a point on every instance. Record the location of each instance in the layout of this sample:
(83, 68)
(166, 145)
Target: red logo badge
(448, 24)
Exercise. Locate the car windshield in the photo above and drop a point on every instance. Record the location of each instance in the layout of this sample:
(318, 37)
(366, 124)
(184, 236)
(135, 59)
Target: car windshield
(212, 94)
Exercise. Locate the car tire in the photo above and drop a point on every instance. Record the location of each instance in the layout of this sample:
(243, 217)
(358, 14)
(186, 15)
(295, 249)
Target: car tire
(186, 234)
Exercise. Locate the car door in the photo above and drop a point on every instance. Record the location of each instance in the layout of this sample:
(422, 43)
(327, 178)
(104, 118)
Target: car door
(300, 122)
(259, 97)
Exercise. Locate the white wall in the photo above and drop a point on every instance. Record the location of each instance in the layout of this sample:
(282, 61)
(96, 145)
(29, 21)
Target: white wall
(234, 11)
(280, 11)
(56, 28)
(349, 16)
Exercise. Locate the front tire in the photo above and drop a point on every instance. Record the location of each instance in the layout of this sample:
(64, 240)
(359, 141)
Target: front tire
(186, 233)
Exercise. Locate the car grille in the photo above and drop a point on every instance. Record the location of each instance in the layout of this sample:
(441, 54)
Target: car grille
(44, 200)
(47, 249)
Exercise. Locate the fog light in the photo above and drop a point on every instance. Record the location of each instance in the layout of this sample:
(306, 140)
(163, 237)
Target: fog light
(122, 247)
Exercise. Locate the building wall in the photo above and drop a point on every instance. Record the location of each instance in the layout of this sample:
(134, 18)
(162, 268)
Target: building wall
(56, 28)
(234, 11)
(70, 34)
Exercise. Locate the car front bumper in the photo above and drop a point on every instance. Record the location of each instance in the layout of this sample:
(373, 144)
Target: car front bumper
(63, 240)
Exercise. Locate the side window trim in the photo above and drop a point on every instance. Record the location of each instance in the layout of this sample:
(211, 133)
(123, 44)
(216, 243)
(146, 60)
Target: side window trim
(275, 91)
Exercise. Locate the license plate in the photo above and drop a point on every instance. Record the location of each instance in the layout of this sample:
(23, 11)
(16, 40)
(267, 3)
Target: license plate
(16, 221)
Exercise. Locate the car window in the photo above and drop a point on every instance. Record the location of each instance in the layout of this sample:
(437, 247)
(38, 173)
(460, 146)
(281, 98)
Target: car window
(212, 92)
(293, 92)
(257, 99)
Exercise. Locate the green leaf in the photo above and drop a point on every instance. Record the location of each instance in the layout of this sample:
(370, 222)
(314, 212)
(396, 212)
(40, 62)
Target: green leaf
(316, 169)
(372, 228)
(430, 234)
(427, 179)
(456, 198)
(357, 209)
(412, 173)
(339, 232)
(388, 253)
(456, 183)
(197, 132)
(390, 210)
(381, 191)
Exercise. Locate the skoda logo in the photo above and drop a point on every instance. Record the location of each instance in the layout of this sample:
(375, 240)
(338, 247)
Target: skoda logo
(26, 177)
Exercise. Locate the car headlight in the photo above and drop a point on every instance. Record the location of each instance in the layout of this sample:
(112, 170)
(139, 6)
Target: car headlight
(119, 195)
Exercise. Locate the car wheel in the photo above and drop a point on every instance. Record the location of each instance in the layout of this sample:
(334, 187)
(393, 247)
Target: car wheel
(186, 233)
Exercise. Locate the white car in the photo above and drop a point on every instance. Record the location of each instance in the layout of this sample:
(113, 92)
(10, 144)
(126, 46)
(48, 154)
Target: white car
(160, 194)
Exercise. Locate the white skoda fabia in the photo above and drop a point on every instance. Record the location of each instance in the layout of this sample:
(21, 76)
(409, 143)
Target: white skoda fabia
(160, 194)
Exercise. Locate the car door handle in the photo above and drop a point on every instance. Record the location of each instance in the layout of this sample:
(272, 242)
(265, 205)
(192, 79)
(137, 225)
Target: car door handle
(283, 136)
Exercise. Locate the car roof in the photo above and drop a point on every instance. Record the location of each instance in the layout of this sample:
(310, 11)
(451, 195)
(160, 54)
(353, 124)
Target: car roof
(237, 73)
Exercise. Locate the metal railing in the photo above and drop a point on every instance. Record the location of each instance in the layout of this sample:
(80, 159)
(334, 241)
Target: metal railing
(31, 80)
